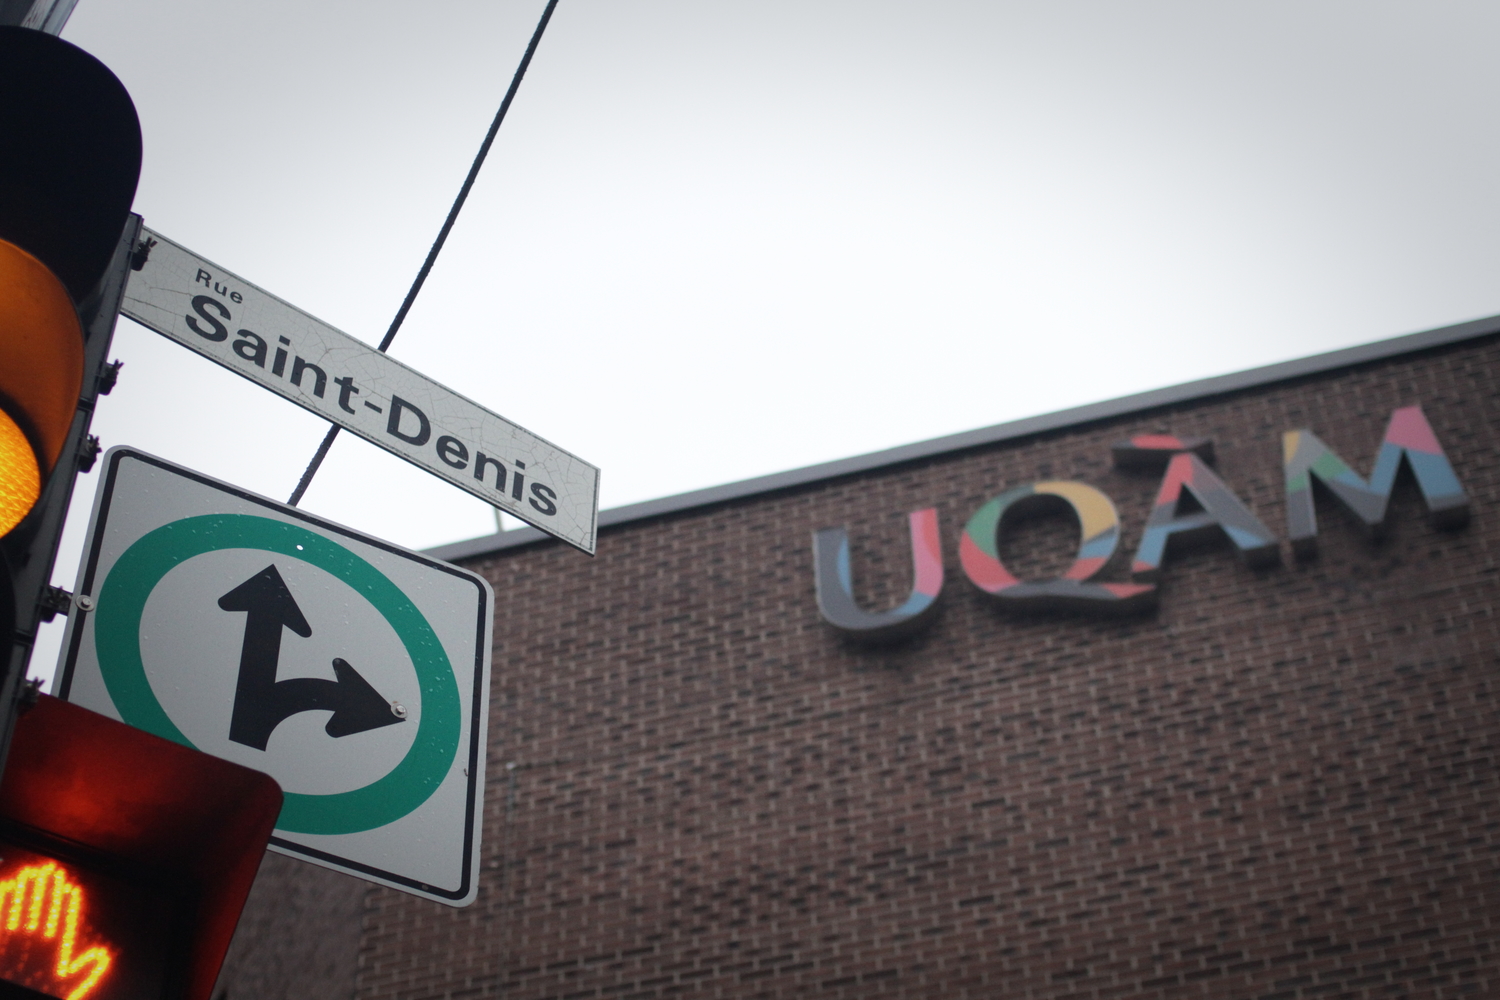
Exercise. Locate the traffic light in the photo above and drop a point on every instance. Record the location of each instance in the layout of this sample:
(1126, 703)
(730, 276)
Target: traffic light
(72, 158)
(124, 859)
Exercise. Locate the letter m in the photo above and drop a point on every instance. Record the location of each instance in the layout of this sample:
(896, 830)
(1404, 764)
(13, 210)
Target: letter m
(1409, 437)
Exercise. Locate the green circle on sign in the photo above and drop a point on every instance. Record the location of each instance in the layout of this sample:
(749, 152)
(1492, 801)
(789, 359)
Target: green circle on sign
(117, 627)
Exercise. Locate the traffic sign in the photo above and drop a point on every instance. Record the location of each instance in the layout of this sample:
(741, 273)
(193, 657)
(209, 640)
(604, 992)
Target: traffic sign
(353, 672)
(225, 318)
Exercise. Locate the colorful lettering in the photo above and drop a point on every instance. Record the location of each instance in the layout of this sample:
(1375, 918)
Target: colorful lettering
(834, 581)
(979, 552)
(1192, 504)
(1222, 513)
(1408, 438)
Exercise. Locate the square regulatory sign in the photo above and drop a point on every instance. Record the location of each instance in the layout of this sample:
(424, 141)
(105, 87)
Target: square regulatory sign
(354, 672)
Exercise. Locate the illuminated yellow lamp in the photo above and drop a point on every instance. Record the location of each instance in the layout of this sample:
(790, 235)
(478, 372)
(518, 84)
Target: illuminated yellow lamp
(41, 373)
(20, 476)
(47, 888)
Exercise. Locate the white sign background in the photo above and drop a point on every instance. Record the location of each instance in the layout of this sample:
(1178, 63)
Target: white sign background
(225, 318)
(191, 651)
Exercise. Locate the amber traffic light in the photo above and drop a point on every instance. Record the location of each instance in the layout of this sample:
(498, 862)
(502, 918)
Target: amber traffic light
(41, 374)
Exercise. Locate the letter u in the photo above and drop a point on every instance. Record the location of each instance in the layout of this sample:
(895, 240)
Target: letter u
(835, 581)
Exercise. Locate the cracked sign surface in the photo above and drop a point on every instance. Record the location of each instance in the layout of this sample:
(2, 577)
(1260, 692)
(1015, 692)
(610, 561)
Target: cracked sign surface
(223, 317)
(354, 672)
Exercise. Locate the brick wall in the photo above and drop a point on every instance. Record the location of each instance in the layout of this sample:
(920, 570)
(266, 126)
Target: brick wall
(298, 936)
(1283, 783)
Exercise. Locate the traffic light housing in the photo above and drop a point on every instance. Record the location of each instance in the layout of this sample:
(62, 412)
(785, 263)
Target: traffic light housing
(72, 158)
(125, 859)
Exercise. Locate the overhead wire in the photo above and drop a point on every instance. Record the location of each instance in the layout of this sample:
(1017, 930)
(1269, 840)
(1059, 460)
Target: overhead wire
(437, 244)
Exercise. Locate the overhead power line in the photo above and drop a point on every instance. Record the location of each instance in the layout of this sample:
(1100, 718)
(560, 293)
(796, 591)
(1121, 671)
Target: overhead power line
(437, 244)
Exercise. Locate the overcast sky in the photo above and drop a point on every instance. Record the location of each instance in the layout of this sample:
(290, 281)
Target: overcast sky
(715, 240)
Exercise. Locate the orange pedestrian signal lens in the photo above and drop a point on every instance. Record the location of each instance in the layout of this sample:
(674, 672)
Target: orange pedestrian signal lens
(44, 936)
(20, 475)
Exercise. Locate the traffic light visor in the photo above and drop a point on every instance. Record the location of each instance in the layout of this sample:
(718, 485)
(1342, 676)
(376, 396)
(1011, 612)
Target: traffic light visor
(72, 155)
(41, 375)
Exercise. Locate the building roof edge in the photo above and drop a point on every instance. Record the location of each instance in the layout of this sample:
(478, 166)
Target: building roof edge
(1057, 420)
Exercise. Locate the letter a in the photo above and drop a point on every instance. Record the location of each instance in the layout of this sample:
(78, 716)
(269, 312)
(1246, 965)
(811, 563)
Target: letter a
(1222, 511)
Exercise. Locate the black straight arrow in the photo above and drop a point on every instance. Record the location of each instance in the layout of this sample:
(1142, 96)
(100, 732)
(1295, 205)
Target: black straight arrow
(261, 702)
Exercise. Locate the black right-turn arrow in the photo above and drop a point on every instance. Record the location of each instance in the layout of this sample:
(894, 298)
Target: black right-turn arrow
(261, 702)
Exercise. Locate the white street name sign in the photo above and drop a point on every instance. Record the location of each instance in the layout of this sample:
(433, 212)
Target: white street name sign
(223, 317)
(353, 672)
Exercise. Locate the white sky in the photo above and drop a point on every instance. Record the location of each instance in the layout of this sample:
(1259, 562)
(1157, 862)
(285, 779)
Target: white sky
(715, 240)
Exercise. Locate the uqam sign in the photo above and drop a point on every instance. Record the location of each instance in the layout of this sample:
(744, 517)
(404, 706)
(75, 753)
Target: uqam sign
(1306, 459)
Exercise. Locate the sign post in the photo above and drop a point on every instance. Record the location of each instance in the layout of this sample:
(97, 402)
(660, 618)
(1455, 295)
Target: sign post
(225, 318)
(352, 671)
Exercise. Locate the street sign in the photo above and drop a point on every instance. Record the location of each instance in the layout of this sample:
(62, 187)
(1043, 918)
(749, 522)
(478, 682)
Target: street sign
(353, 672)
(223, 317)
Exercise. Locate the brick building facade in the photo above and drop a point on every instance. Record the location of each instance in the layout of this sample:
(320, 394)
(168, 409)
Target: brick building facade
(1280, 782)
